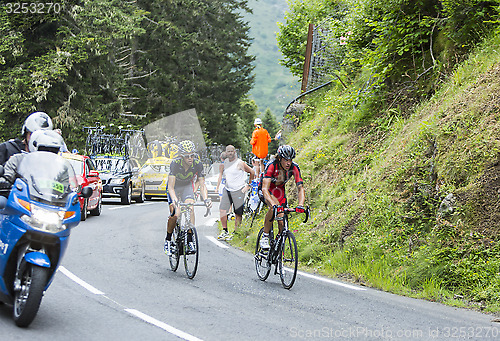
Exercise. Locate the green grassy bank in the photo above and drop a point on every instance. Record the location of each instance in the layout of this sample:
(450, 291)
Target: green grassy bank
(407, 201)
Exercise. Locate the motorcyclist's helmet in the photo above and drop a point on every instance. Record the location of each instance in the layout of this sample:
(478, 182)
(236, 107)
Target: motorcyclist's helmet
(186, 147)
(45, 140)
(286, 152)
(37, 121)
(257, 121)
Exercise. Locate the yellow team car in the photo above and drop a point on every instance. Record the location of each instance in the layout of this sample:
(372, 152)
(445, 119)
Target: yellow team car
(155, 174)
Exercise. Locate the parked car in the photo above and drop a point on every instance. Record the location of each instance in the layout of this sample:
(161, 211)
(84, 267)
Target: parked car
(87, 176)
(121, 178)
(155, 174)
(211, 178)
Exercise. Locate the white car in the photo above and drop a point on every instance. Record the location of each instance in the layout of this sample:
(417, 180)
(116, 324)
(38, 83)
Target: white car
(211, 178)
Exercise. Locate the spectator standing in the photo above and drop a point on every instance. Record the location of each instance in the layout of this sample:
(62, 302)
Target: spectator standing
(234, 191)
(260, 141)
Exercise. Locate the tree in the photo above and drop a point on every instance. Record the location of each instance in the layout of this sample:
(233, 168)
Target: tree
(126, 62)
(203, 64)
(272, 126)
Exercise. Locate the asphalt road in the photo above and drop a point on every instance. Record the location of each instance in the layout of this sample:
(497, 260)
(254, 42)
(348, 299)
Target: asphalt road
(115, 283)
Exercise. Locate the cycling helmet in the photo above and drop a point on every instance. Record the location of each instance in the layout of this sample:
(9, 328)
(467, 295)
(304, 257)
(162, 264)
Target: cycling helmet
(36, 121)
(186, 147)
(45, 140)
(257, 121)
(286, 152)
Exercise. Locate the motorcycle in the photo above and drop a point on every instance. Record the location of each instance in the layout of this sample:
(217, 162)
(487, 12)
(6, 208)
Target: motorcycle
(36, 218)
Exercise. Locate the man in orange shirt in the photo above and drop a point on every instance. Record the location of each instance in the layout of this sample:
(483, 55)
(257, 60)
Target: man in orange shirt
(260, 140)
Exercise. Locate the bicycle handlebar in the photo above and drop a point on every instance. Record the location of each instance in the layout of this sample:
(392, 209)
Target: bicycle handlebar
(287, 210)
(183, 204)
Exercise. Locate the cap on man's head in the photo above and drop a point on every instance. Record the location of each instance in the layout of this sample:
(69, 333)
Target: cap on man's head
(257, 121)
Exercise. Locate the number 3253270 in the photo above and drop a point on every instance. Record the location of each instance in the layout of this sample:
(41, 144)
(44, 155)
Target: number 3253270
(33, 7)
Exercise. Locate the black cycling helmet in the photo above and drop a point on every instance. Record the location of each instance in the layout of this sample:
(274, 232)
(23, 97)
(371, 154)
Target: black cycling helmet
(286, 152)
(186, 147)
(37, 121)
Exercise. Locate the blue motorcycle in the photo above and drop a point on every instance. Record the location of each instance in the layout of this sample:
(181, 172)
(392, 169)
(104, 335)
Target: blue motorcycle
(36, 217)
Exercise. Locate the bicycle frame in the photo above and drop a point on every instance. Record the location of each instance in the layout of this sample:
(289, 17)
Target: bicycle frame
(280, 246)
(183, 230)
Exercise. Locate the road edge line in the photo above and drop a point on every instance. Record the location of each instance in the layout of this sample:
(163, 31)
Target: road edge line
(162, 325)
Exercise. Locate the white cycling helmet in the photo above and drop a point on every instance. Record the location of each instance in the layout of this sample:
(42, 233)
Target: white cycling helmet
(36, 121)
(257, 121)
(45, 140)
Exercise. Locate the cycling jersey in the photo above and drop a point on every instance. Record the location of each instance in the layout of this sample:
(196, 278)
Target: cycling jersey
(185, 177)
(279, 178)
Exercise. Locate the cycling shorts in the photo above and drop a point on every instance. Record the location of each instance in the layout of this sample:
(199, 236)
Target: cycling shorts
(183, 193)
(278, 192)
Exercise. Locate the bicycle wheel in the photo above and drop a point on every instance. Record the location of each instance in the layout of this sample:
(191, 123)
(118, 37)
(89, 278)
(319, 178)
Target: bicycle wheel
(262, 265)
(191, 255)
(288, 260)
(174, 258)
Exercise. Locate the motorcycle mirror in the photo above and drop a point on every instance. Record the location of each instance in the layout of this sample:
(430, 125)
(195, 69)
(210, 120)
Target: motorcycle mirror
(86, 192)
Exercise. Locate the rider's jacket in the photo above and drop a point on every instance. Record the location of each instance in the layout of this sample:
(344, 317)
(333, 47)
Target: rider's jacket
(9, 148)
(185, 177)
(10, 170)
(279, 177)
(260, 140)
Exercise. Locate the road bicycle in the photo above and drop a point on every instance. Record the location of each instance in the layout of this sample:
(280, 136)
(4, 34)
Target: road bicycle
(183, 234)
(249, 208)
(282, 252)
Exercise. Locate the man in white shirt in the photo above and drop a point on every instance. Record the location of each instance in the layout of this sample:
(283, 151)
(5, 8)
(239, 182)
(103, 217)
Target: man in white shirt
(234, 191)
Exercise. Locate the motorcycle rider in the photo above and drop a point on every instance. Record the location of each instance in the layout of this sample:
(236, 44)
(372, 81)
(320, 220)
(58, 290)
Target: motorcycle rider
(35, 121)
(41, 140)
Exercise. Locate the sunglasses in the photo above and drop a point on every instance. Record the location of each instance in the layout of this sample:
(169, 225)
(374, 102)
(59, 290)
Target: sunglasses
(189, 155)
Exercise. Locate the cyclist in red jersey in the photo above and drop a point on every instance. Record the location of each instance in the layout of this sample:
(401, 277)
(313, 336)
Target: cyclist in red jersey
(272, 189)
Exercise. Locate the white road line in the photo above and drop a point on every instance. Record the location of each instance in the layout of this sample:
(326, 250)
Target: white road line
(216, 242)
(142, 316)
(330, 281)
(162, 325)
(125, 206)
(117, 207)
(80, 281)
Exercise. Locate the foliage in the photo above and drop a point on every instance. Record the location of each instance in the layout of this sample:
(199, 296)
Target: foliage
(272, 126)
(292, 35)
(109, 61)
(400, 48)
(380, 187)
(274, 85)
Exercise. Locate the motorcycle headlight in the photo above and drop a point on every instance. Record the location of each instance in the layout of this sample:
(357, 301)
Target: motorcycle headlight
(117, 181)
(46, 220)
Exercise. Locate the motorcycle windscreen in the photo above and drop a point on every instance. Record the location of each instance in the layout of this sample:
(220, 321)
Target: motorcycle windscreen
(50, 177)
